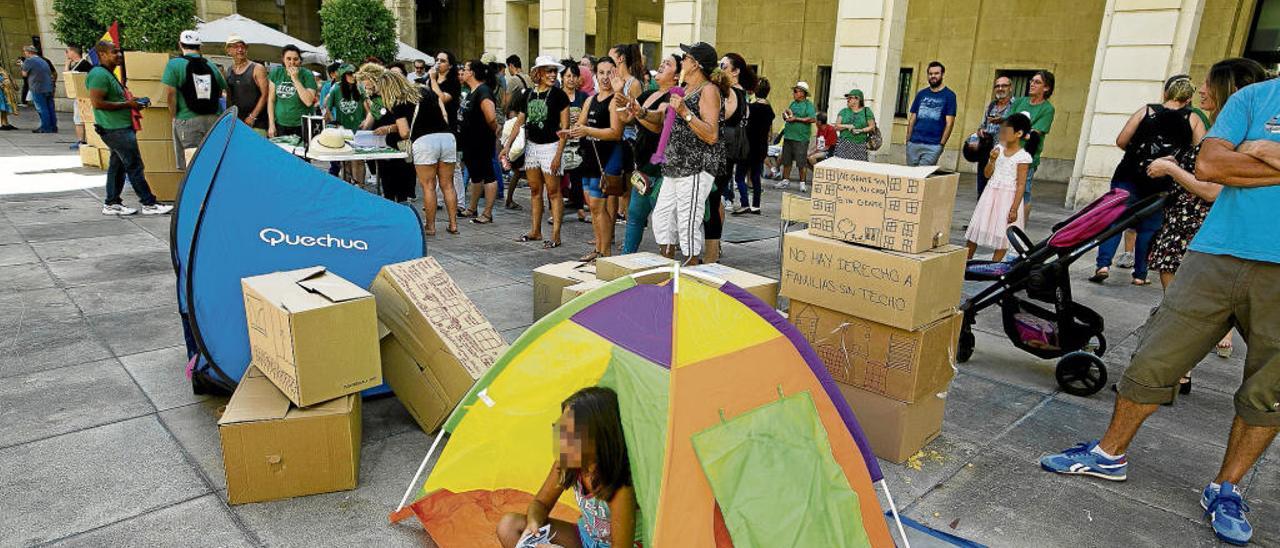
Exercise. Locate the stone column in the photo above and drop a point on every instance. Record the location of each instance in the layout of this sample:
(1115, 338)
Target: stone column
(868, 52)
(210, 10)
(406, 12)
(506, 29)
(686, 22)
(562, 28)
(1142, 43)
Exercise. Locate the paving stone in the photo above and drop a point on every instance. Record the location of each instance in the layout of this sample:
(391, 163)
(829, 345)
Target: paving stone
(56, 401)
(141, 330)
(8, 233)
(470, 277)
(17, 253)
(979, 409)
(384, 417)
(162, 376)
(201, 522)
(506, 307)
(941, 458)
(124, 294)
(351, 518)
(100, 227)
(510, 335)
(1262, 494)
(122, 266)
(53, 210)
(1020, 506)
(91, 478)
(22, 277)
(102, 246)
(195, 427)
(31, 344)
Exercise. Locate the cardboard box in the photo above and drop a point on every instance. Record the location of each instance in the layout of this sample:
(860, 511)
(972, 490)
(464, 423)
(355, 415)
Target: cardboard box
(796, 208)
(617, 266)
(314, 334)
(415, 385)
(438, 326)
(766, 289)
(158, 155)
(75, 84)
(90, 156)
(151, 89)
(157, 125)
(272, 449)
(894, 363)
(903, 290)
(142, 65)
(549, 281)
(896, 430)
(572, 292)
(164, 184)
(882, 205)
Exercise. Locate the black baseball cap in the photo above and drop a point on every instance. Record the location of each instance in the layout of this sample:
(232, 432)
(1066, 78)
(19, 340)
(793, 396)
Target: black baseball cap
(704, 54)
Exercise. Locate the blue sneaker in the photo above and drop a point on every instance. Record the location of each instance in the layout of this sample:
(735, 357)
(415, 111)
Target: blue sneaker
(1225, 510)
(1081, 460)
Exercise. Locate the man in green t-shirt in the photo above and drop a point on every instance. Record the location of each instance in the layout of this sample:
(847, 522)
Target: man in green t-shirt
(293, 93)
(1036, 104)
(194, 88)
(797, 131)
(113, 118)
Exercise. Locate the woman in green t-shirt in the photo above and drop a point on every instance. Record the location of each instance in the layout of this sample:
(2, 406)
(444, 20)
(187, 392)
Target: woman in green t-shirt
(344, 105)
(855, 124)
(293, 93)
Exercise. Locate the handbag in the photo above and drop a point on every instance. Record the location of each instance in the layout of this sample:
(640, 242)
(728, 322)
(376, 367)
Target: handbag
(641, 182)
(571, 157)
(610, 185)
(736, 147)
(874, 140)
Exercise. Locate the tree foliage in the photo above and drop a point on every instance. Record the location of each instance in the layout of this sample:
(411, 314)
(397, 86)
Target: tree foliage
(355, 29)
(145, 25)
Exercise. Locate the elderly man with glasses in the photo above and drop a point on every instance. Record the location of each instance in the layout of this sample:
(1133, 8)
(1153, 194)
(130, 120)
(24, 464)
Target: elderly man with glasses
(997, 111)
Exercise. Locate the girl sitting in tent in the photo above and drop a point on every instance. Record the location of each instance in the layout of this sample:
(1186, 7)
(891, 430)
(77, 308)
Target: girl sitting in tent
(593, 463)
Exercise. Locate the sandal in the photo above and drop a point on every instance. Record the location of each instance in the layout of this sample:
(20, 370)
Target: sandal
(1100, 275)
(550, 244)
(452, 229)
(482, 220)
(429, 232)
(1223, 350)
(513, 206)
(528, 238)
(1184, 386)
(590, 257)
(1140, 282)
(467, 213)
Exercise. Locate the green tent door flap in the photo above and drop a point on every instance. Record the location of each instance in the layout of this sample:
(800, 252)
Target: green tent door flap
(773, 475)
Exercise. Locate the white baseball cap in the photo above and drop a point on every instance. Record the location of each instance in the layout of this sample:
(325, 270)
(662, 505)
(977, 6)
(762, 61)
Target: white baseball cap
(802, 85)
(189, 37)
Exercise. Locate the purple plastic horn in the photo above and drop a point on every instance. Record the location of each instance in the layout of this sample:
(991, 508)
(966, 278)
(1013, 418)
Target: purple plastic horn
(660, 155)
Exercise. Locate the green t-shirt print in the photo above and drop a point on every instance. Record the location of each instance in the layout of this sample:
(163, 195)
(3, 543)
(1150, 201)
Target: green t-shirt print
(100, 78)
(175, 73)
(348, 113)
(799, 131)
(289, 108)
(1041, 121)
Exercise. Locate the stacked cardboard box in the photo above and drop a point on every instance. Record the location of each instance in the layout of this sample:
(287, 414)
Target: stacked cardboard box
(155, 139)
(292, 426)
(874, 288)
(436, 344)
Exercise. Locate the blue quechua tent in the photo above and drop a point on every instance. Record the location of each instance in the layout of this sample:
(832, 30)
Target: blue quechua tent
(246, 208)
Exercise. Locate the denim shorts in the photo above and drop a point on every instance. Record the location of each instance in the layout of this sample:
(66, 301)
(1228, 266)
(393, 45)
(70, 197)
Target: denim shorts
(592, 184)
(1026, 194)
(434, 148)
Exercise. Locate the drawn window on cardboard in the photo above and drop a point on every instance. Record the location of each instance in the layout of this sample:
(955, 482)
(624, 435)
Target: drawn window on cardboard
(888, 241)
(902, 353)
(895, 184)
(913, 186)
(908, 230)
(895, 204)
(872, 233)
(913, 208)
(890, 225)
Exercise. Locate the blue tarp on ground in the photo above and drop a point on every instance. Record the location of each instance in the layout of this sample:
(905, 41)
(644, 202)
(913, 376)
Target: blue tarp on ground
(248, 207)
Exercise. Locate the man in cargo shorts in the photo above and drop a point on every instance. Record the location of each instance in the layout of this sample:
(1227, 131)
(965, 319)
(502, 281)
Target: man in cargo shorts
(797, 131)
(1228, 279)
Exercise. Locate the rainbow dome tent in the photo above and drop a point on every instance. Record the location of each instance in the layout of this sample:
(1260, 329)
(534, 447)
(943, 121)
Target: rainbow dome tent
(736, 432)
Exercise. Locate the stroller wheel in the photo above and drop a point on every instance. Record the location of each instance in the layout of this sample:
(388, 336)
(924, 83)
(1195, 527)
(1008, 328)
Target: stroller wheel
(964, 350)
(1081, 374)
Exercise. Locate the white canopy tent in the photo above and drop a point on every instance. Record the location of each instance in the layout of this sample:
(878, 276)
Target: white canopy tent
(264, 42)
(320, 56)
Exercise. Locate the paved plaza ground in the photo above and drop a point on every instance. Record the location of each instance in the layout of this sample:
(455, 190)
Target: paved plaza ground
(103, 444)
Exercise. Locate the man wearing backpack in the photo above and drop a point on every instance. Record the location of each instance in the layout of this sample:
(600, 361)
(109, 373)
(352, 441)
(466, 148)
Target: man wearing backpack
(195, 87)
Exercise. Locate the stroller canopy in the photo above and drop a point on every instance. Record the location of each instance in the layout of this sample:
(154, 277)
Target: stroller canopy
(248, 208)
(729, 417)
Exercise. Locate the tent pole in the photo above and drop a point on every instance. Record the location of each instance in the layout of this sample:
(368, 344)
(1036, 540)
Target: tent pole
(892, 508)
(434, 445)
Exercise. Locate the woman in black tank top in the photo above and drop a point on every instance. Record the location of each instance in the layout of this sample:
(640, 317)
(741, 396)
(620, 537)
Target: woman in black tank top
(599, 128)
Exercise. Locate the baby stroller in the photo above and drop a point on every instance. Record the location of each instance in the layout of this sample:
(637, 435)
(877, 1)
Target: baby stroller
(1068, 330)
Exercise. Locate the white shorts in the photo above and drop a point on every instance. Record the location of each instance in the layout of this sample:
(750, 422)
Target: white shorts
(434, 148)
(539, 156)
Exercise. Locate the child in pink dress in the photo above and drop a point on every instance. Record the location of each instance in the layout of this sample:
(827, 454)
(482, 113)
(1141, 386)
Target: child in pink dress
(1000, 205)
